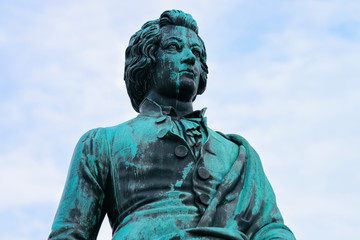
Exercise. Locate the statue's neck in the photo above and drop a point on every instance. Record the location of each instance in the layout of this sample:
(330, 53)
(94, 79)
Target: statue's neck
(181, 107)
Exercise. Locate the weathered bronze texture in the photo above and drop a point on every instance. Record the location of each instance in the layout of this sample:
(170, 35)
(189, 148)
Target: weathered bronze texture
(165, 174)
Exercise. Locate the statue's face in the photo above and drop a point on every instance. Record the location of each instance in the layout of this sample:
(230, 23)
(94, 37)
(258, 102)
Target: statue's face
(178, 66)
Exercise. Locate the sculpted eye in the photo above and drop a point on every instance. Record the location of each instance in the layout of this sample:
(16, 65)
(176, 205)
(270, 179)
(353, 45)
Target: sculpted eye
(173, 46)
(196, 52)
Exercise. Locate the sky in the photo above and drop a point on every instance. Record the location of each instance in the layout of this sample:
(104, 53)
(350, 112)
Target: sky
(282, 74)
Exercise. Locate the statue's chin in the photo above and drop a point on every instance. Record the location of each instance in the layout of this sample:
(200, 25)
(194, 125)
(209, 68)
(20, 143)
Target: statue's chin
(187, 90)
(186, 94)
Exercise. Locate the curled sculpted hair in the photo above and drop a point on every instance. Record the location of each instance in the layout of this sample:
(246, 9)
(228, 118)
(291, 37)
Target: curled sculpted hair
(140, 55)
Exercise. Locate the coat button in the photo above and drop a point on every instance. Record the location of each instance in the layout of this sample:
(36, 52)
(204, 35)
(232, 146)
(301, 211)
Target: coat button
(162, 133)
(203, 173)
(181, 151)
(160, 119)
(204, 199)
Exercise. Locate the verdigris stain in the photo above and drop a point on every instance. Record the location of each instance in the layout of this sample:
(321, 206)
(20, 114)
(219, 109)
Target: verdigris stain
(165, 174)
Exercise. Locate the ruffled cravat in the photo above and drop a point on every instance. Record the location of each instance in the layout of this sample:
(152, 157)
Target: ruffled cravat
(193, 126)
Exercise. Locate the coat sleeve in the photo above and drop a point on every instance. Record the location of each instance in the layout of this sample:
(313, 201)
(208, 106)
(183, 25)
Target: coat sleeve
(81, 209)
(256, 213)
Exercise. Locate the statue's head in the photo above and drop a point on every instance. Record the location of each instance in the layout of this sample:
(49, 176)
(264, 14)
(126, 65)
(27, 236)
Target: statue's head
(144, 55)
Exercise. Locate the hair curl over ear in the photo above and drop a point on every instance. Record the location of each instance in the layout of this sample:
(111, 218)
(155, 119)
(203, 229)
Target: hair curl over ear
(140, 55)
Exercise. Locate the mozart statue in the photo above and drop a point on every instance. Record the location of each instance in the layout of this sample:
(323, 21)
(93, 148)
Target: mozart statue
(165, 174)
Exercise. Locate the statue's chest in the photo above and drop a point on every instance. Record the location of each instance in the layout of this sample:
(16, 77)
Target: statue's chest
(155, 165)
(149, 166)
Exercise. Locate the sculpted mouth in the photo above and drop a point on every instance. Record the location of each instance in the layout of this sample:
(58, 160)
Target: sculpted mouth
(188, 73)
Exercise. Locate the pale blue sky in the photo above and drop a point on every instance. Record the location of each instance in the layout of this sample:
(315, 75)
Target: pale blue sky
(283, 74)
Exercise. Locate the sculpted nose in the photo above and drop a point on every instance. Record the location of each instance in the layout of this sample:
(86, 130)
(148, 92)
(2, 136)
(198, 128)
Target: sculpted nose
(189, 57)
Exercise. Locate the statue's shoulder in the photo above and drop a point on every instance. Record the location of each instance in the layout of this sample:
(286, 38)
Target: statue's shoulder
(250, 153)
(235, 138)
(96, 134)
(129, 128)
(121, 127)
(99, 133)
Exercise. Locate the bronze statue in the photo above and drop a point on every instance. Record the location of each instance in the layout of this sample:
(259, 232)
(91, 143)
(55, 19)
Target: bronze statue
(165, 174)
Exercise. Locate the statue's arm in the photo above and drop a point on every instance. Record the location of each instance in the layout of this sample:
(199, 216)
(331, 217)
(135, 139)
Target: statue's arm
(81, 209)
(256, 208)
(269, 224)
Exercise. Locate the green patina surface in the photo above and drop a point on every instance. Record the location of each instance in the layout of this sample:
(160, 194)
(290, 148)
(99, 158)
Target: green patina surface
(165, 174)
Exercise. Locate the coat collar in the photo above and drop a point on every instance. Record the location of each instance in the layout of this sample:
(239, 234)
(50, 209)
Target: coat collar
(150, 108)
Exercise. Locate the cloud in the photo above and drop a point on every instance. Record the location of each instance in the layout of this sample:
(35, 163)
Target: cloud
(284, 75)
(29, 179)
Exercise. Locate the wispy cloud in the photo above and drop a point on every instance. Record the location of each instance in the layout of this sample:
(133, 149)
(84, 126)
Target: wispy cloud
(283, 75)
